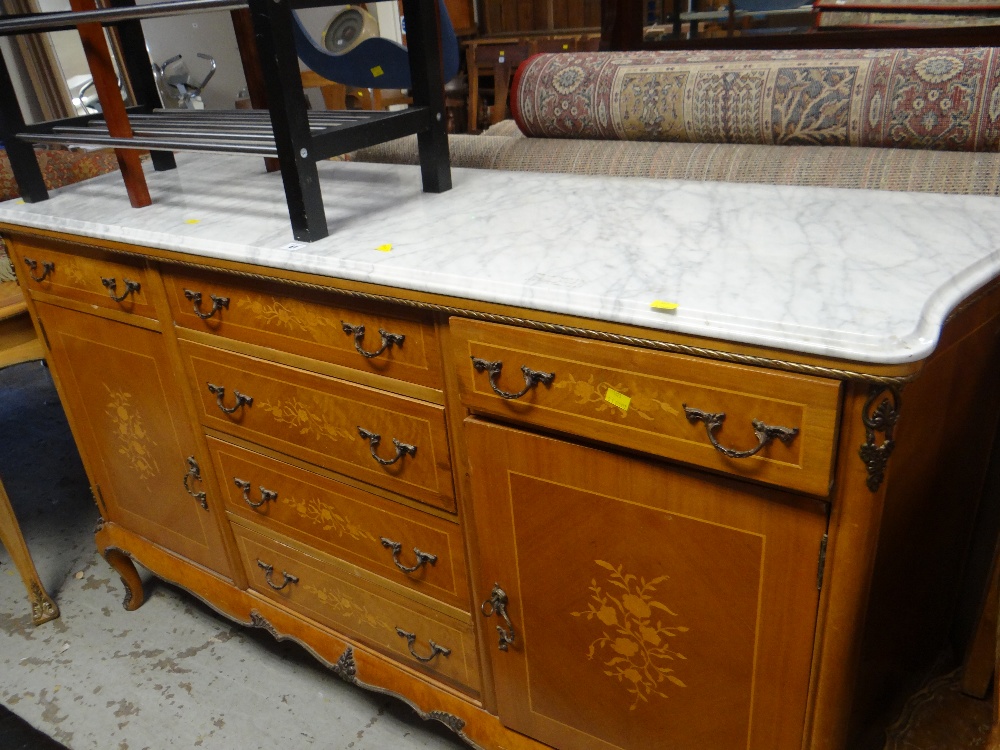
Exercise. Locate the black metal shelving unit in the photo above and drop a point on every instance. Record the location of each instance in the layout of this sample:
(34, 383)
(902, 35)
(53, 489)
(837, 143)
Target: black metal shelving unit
(287, 130)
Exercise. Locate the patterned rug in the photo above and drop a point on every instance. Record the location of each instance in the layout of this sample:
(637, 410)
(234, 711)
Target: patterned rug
(945, 99)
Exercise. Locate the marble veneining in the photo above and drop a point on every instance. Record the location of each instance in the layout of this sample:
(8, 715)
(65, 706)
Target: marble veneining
(862, 275)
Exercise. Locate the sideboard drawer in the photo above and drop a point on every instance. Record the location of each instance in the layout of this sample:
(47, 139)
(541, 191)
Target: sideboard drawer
(390, 441)
(341, 600)
(645, 400)
(90, 276)
(309, 324)
(364, 529)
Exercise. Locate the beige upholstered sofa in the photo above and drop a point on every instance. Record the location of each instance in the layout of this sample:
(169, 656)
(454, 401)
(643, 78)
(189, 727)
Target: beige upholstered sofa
(891, 119)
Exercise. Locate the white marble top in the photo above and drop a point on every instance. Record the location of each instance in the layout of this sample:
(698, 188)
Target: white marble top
(867, 276)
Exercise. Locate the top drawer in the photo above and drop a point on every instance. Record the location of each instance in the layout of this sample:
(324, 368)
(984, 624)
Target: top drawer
(308, 324)
(644, 400)
(88, 275)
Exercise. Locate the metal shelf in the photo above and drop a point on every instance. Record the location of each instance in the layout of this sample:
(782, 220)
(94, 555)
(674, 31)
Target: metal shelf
(286, 131)
(237, 131)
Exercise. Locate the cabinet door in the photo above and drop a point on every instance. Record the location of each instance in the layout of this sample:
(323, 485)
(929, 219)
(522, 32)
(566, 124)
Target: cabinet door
(651, 606)
(128, 412)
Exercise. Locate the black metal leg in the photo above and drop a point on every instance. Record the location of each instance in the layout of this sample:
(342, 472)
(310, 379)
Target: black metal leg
(23, 163)
(140, 75)
(280, 67)
(423, 41)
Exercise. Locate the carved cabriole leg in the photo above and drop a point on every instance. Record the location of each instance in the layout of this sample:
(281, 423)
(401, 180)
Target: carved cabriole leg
(855, 516)
(122, 562)
(43, 608)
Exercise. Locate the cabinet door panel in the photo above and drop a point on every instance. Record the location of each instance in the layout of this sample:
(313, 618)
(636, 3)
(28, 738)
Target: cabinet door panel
(128, 412)
(652, 606)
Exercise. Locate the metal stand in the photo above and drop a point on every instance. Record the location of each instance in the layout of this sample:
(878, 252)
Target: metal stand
(297, 137)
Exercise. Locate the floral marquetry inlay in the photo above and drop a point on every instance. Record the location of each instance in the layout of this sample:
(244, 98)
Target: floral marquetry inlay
(134, 443)
(344, 606)
(277, 314)
(319, 513)
(635, 645)
(587, 392)
(307, 419)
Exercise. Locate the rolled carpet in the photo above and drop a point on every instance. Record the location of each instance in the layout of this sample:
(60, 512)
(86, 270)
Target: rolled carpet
(943, 99)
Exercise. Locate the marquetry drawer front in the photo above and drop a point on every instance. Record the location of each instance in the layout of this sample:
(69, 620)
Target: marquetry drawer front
(308, 324)
(389, 441)
(769, 426)
(412, 548)
(90, 276)
(426, 638)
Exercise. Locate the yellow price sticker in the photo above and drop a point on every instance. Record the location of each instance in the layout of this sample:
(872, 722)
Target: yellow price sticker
(192, 221)
(384, 248)
(658, 304)
(377, 71)
(615, 398)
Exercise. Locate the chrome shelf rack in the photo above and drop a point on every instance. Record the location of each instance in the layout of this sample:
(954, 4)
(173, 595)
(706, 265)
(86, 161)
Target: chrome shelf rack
(286, 130)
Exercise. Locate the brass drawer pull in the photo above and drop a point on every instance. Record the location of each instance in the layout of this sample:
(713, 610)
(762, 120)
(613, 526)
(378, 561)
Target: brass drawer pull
(47, 268)
(497, 604)
(422, 557)
(765, 433)
(220, 392)
(265, 495)
(531, 377)
(269, 571)
(388, 339)
(374, 439)
(194, 472)
(217, 304)
(435, 649)
(131, 287)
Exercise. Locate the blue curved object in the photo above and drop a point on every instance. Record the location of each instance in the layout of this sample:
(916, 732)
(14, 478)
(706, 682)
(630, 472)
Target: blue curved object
(375, 63)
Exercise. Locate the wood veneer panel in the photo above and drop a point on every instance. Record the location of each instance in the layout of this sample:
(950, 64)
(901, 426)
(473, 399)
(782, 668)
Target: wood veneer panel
(78, 275)
(344, 521)
(121, 391)
(355, 607)
(316, 418)
(652, 606)
(308, 324)
(655, 386)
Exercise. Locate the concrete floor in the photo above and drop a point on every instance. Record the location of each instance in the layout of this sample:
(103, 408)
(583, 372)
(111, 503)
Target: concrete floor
(173, 674)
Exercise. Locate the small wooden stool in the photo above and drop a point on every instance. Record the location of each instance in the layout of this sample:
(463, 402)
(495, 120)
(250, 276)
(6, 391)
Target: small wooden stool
(18, 343)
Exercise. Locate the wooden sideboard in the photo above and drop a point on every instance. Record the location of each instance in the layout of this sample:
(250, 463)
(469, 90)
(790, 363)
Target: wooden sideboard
(537, 529)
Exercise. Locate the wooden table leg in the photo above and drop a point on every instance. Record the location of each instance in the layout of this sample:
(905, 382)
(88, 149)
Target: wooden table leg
(43, 608)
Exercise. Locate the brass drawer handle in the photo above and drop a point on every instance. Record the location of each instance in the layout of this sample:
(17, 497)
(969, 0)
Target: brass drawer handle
(217, 304)
(269, 571)
(531, 377)
(131, 287)
(497, 604)
(194, 472)
(388, 339)
(765, 433)
(265, 495)
(47, 268)
(423, 558)
(435, 649)
(374, 439)
(220, 392)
